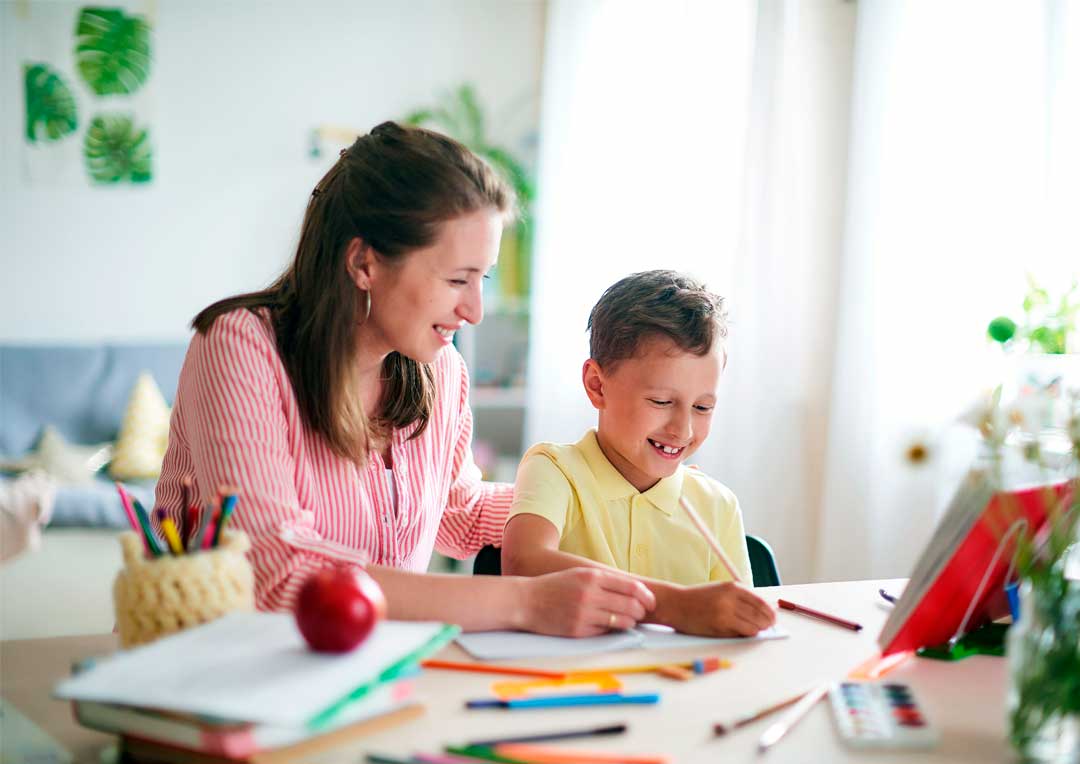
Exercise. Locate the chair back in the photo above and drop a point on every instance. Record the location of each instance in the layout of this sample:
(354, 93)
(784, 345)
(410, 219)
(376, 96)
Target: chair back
(762, 562)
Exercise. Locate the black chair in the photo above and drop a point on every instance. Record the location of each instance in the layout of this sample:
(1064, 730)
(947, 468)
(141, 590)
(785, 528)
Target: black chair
(762, 562)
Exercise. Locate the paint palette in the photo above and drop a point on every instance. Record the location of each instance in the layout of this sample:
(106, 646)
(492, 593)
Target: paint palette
(880, 715)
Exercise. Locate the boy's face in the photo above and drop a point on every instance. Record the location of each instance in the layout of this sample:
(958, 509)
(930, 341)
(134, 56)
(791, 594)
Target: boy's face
(655, 408)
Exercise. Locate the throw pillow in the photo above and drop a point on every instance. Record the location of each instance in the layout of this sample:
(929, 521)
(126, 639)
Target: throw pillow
(65, 462)
(144, 433)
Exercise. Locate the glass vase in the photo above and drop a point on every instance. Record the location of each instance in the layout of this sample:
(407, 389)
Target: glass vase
(1043, 653)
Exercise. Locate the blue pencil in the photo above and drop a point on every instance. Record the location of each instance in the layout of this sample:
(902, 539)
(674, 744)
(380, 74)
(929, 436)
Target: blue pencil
(563, 701)
(228, 503)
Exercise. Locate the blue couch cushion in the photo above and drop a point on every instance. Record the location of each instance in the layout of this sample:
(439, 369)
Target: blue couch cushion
(82, 391)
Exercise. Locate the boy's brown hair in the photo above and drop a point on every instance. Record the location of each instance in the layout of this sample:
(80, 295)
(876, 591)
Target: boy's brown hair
(655, 303)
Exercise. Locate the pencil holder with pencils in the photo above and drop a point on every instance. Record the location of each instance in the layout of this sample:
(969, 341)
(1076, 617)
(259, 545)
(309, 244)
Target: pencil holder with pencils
(155, 596)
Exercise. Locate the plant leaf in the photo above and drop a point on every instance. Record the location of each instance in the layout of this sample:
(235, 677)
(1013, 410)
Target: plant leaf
(116, 151)
(112, 50)
(50, 108)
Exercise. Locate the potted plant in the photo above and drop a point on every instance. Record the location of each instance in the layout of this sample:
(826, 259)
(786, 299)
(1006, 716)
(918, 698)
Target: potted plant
(459, 115)
(1043, 645)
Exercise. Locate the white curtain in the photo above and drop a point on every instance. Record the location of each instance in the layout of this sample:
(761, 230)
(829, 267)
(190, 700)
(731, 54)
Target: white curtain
(867, 184)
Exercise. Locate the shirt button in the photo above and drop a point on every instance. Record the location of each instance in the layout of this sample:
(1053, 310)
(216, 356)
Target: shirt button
(641, 550)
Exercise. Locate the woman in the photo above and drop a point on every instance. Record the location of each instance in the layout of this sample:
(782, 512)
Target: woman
(338, 405)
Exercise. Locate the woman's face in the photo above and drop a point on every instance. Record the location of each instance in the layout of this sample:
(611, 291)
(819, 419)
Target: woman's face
(420, 300)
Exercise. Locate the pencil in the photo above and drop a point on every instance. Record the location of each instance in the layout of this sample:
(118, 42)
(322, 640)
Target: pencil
(792, 717)
(614, 729)
(148, 530)
(228, 503)
(546, 755)
(835, 620)
(722, 728)
(171, 535)
(130, 512)
(709, 539)
(561, 701)
(707, 665)
(481, 668)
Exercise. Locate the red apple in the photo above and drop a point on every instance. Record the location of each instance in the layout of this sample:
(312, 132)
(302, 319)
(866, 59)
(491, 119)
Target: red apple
(337, 608)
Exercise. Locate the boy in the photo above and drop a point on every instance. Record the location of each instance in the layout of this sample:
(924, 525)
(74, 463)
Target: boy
(612, 499)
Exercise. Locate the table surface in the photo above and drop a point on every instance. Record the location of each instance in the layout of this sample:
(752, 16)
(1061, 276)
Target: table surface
(965, 700)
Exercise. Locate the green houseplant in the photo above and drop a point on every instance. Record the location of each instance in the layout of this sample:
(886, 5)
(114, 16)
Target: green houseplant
(1043, 646)
(460, 115)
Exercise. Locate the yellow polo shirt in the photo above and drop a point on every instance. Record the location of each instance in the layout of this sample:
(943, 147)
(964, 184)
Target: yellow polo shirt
(601, 516)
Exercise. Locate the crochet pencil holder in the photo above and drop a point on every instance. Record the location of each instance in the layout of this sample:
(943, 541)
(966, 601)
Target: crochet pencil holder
(155, 596)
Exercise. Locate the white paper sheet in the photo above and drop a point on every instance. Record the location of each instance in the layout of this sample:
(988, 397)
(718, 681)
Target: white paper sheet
(512, 645)
(245, 666)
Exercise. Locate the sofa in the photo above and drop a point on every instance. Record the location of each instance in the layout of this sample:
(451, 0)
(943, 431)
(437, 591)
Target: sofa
(64, 586)
(82, 391)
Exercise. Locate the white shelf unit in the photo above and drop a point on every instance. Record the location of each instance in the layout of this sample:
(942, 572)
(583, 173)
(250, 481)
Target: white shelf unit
(495, 351)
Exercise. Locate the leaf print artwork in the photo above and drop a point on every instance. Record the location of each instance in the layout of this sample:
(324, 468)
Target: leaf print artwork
(112, 50)
(50, 108)
(115, 150)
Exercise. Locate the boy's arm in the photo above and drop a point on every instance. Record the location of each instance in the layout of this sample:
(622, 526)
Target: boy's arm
(531, 548)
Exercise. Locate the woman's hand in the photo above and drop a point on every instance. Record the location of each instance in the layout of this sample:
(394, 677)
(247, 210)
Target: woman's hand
(718, 610)
(583, 602)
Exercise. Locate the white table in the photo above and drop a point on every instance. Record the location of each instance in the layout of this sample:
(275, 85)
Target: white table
(964, 699)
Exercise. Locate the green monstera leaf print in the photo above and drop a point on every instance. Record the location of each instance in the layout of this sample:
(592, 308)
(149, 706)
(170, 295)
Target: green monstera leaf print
(116, 150)
(50, 107)
(112, 50)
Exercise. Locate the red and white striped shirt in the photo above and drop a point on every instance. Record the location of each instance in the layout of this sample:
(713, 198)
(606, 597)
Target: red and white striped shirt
(236, 422)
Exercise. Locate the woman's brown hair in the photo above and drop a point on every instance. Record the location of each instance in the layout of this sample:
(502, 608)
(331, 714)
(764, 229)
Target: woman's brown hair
(393, 188)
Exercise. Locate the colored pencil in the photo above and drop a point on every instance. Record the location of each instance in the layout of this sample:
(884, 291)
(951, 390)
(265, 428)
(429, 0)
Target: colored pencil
(722, 728)
(707, 664)
(614, 729)
(208, 532)
(710, 539)
(168, 527)
(481, 668)
(148, 529)
(563, 701)
(834, 620)
(792, 717)
(228, 503)
(132, 519)
(539, 754)
(482, 754)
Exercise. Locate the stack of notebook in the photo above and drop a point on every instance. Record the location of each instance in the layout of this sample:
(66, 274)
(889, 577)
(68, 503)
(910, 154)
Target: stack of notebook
(246, 688)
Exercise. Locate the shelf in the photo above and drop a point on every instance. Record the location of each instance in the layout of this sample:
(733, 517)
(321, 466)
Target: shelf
(498, 397)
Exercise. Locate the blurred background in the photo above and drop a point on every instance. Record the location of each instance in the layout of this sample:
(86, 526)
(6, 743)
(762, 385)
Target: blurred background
(867, 183)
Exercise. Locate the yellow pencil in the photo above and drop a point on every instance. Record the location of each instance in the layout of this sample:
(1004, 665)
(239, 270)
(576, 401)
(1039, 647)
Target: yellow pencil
(169, 528)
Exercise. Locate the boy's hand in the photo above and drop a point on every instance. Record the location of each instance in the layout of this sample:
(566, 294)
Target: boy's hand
(720, 610)
(583, 602)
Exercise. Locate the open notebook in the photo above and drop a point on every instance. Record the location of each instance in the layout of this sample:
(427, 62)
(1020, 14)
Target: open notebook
(512, 645)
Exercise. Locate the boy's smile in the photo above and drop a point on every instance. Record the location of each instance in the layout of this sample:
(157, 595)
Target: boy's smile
(655, 408)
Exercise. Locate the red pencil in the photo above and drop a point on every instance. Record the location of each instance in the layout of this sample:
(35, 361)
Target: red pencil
(786, 605)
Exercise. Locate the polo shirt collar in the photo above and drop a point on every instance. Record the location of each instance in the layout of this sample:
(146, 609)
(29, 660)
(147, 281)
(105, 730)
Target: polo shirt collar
(613, 486)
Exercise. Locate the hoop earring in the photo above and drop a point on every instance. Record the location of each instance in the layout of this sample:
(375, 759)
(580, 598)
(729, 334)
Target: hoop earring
(367, 307)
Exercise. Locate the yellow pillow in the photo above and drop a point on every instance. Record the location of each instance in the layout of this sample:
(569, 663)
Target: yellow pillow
(144, 433)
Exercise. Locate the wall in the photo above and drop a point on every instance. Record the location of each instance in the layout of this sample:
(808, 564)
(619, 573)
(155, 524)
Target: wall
(239, 87)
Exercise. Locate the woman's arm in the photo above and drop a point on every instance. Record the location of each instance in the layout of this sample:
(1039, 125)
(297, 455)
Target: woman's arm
(574, 603)
(531, 547)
